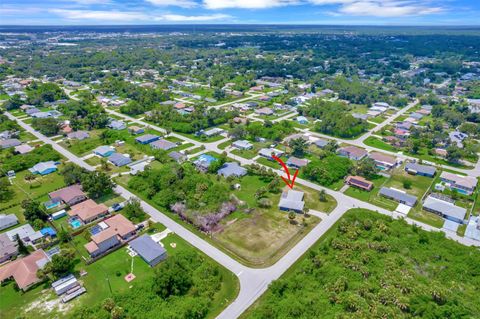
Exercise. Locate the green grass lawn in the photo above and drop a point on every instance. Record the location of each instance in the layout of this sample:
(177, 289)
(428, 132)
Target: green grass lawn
(248, 154)
(94, 160)
(365, 195)
(378, 143)
(269, 163)
(224, 145)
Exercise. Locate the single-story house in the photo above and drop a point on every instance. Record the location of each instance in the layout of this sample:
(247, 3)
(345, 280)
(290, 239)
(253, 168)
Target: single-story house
(25, 233)
(104, 151)
(419, 169)
(136, 130)
(147, 138)
(440, 152)
(321, 143)
(203, 162)
(242, 145)
(7, 221)
(88, 211)
(302, 120)
(178, 157)
(296, 136)
(119, 160)
(463, 184)
(296, 162)
(383, 161)
(291, 200)
(8, 248)
(163, 145)
(117, 125)
(69, 195)
(213, 132)
(44, 168)
(359, 182)
(149, 250)
(398, 196)
(11, 142)
(267, 153)
(24, 270)
(32, 110)
(232, 169)
(352, 152)
(457, 138)
(78, 135)
(406, 126)
(445, 209)
(23, 149)
(264, 111)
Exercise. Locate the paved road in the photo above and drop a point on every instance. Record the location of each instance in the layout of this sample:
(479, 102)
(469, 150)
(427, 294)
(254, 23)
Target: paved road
(253, 282)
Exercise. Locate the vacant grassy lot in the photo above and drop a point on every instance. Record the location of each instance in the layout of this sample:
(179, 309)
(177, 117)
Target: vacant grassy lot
(378, 143)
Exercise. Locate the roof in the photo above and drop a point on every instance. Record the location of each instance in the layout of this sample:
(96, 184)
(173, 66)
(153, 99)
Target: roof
(384, 158)
(205, 160)
(299, 162)
(117, 124)
(354, 151)
(445, 208)
(232, 169)
(24, 148)
(91, 247)
(87, 210)
(119, 159)
(23, 231)
(68, 193)
(7, 220)
(267, 152)
(425, 169)
(213, 131)
(176, 155)
(103, 235)
(11, 142)
(79, 135)
(7, 247)
(465, 181)
(359, 181)
(146, 138)
(24, 270)
(398, 195)
(104, 149)
(120, 224)
(163, 145)
(292, 200)
(242, 144)
(147, 248)
(321, 142)
(43, 166)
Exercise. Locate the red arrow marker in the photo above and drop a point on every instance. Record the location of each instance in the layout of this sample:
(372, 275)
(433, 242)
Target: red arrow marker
(289, 182)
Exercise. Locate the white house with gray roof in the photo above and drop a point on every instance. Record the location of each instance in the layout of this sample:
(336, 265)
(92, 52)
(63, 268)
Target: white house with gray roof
(398, 196)
(292, 200)
(150, 251)
(445, 209)
(7, 221)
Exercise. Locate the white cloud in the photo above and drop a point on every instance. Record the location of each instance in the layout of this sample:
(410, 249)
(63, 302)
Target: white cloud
(176, 3)
(387, 8)
(247, 4)
(100, 15)
(183, 18)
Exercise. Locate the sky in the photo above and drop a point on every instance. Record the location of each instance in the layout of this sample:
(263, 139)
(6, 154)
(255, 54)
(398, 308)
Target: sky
(325, 12)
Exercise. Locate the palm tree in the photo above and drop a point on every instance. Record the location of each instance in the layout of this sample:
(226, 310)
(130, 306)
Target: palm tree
(30, 178)
(292, 215)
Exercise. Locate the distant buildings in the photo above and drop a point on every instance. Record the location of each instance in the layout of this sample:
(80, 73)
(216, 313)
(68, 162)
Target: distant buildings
(383, 161)
(117, 125)
(11, 142)
(104, 151)
(78, 135)
(267, 153)
(163, 145)
(119, 160)
(147, 138)
(296, 162)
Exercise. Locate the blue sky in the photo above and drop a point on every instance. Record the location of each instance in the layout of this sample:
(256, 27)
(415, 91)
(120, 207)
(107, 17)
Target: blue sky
(346, 12)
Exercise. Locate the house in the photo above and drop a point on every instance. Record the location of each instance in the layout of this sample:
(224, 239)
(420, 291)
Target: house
(419, 169)
(213, 132)
(352, 152)
(69, 195)
(11, 142)
(296, 162)
(112, 232)
(150, 251)
(163, 145)
(292, 200)
(398, 196)
(406, 126)
(292, 137)
(88, 211)
(78, 135)
(7, 221)
(147, 138)
(203, 162)
(359, 182)
(462, 184)
(104, 151)
(32, 110)
(457, 138)
(321, 143)
(178, 157)
(8, 248)
(24, 270)
(416, 115)
(232, 169)
(267, 153)
(44, 168)
(445, 209)
(119, 160)
(23, 149)
(242, 145)
(440, 152)
(117, 125)
(383, 161)
(136, 130)
(264, 111)
(401, 134)
(302, 120)
(25, 233)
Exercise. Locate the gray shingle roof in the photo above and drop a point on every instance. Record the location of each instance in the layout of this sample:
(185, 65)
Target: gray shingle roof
(399, 196)
(147, 248)
(424, 169)
(119, 159)
(232, 169)
(444, 208)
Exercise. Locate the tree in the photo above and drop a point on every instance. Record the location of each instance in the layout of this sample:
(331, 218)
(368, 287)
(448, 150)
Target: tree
(47, 126)
(454, 153)
(97, 184)
(22, 249)
(73, 174)
(60, 265)
(172, 279)
(6, 191)
(291, 216)
(407, 184)
(298, 145)
(219, 94)
(133, 211)
(238, 132)
(64, 236)
(366, 168)
(33, 211)
(30, 177)
(322, 195)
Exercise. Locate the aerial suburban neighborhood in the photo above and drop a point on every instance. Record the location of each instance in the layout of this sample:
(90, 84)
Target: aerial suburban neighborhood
(239, 171)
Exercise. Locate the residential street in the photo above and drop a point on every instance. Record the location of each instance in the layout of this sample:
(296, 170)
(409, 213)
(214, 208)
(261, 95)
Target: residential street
(253, 282)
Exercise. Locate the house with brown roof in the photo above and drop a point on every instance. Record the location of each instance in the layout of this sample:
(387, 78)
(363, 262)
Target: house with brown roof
(88, 211)
(383, 161)
(24, 270)
(69, 195)
(359, 182)
(115, 230)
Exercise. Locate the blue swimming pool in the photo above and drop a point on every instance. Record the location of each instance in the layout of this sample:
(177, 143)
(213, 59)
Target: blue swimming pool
(75, 223)
(50, 205)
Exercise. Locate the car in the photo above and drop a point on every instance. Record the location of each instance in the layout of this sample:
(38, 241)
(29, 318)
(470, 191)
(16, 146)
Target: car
(118, 206)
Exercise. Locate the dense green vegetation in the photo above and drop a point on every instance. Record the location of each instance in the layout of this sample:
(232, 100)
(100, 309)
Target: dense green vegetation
(18, 163)
(327, 170)
(371, 266)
